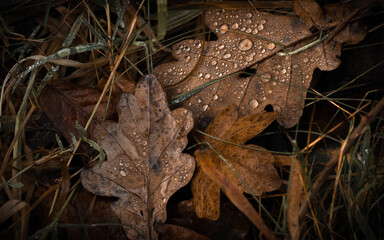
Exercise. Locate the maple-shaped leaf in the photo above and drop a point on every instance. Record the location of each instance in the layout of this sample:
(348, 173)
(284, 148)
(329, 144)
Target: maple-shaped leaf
(254, 166)
(210, 75)
(145, 164)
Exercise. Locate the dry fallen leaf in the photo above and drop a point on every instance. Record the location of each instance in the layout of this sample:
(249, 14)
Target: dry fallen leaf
(237, 198)
(207, 74)
(145, 164)
(232, 224)
(66, 103)
(254, 167)
(170, 231)
(294, 195)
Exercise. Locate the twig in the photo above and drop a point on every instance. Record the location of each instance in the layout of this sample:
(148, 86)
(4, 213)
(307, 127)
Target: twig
(331, 164)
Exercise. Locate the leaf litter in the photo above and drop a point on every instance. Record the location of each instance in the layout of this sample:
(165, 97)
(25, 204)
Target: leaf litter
(259, 59)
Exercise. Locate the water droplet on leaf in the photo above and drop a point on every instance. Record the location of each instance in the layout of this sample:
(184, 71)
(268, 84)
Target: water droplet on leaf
(271, 46)
(245, 44)
(253, 103)
(223, 28)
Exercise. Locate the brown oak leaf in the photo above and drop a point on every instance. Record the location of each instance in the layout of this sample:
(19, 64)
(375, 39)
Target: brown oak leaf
(145, 164)
(254, 166)
(210, 75)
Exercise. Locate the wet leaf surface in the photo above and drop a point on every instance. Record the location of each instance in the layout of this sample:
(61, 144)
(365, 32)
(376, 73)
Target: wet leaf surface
(248, 41)
(254, 166)
(145, 164)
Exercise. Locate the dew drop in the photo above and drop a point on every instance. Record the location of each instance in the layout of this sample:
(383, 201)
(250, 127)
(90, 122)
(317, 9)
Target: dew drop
(249, 58)
(271, 46)
(200, 74)
(205, 107)
(223, 28)
(263, 21)
(248, 15)
(265, 77)
(198, 100)
(242, 29)
(305, 60)
(215, 97)
(283, 71)
(249, 21)
(248, 30)
(187, 58)
(221, 46)
(123, 173)
(215, 24)
(255, 31)
(235, 26)
(227, 55)
(260, 27)
(253, 103)
(198, 45)
(245, 44)
(178, 51)
(207, 75)
(214, 62)
(262, 50)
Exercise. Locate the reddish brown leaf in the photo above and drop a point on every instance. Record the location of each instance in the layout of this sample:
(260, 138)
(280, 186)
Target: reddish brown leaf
(249, 40)
(170, 231)
(66, 103)
(310, 11)
(232, 224)
(254, 167)
(84, 209)
(232, 192)
(145, 164)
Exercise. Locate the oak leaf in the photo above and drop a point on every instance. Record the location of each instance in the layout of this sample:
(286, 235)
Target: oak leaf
(211, 75)
(145, 164)
(254, 166)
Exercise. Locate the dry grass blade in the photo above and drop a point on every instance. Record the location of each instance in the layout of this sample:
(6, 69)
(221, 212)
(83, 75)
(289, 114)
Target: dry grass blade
(331, 164)
(233, 193)
(10, 208)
